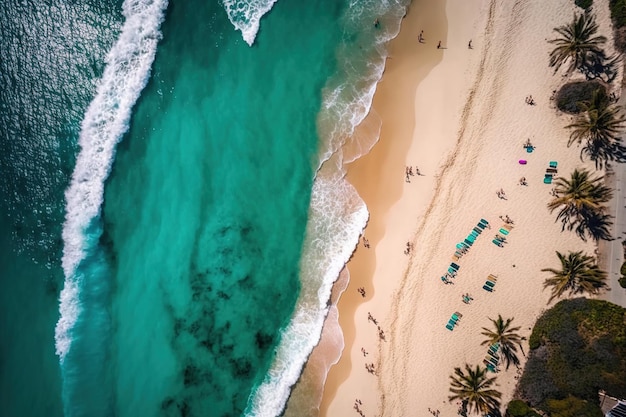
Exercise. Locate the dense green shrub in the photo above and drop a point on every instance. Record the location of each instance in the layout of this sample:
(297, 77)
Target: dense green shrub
(577, 348)
(583, 4)
(622, 281)
(573, 407)
(618, 15)
(518, 408)
(623, 269)
(568, 98)
(618, 12)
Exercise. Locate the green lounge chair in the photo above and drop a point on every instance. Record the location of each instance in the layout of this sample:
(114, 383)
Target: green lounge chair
(504, 231)
(456, 315)
(547, 179)
(553, 164)
(455, 266)
(483, 221)
(490, 283)
(477, 230)
(482, 226)
(497, 243)
(487, 288)
(450, 326)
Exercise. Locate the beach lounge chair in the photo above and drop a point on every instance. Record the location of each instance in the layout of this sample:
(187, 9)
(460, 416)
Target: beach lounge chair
(450, 326)
(501, 238)
(485, 222)
(456, 315)
(471, 238)
(547, 179)
(487, 288)
(490, 284)
(455, 266)
(482, 226)
(497, 243)
(508, 227)
(477, 230)
(503, 231)
(553, 164)
(489, 366)
(551, 171)
(492, 277)
(468, 243)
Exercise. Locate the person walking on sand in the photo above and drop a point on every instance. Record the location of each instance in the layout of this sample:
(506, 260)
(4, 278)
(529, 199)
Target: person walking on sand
(439, 45)
(420, 38)
(469, 45)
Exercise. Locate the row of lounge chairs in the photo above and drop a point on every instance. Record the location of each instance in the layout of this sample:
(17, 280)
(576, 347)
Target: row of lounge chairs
(500, 238)
(550, 172)
(490, 283)
(454, 319)
(492, 358)
(463, 247)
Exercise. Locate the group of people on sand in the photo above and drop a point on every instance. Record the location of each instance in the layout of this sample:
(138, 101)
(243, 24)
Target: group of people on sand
(420, 39)
(409, 248)
(506, 219)
(467, 298)
(361, 291)
(370, 368)
(433, 412)
(501, 195)
(530, 100)
(357, 407)
(408, 172)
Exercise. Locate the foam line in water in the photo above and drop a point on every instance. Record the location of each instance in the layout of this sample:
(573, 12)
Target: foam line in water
(245, 15)
(336, 211)
(337, 215)
(106, 120)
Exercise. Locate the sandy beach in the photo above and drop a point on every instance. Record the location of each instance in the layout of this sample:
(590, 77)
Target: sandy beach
(459, 116)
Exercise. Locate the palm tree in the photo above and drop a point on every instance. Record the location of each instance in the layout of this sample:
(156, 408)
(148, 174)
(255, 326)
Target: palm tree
(579, 198)
(473, 388)
(507, 337)
(600, 125)
(579, 273)
(577, 43)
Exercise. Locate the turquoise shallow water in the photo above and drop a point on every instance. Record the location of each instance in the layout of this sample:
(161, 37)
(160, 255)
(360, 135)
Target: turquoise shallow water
(198, 254)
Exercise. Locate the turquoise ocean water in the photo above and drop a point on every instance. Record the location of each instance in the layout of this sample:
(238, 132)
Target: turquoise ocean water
(173, 206)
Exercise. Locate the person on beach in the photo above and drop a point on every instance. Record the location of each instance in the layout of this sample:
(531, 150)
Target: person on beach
(417, 171)
(469, 45)
(439, 45)
(522, 181)
(420, 38)
(364, 352)
(366, 242)
(377, 23)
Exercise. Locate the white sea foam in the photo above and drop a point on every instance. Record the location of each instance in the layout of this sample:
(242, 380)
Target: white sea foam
(245, 15)
(106, 120)
(337, 215)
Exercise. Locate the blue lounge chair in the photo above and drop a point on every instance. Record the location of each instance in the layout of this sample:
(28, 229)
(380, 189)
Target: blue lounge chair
(487, 288)
(482, 226)
(477, 230)
(497, 243)
(455, 266)
(468, 243)
(553, 164)
(490, 283)
(547, 179)
(450, 326)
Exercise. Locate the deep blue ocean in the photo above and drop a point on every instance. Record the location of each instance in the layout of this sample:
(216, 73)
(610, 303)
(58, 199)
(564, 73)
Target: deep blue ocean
(173, 209)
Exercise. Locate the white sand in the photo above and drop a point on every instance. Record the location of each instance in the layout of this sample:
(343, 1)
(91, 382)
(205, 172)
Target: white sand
(465, 130)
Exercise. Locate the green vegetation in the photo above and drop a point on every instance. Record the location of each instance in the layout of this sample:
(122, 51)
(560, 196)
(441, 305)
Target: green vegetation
(573, 407)
(580, 49)
(618, 15)
(570, 97)
(579, 273)
(507, 337)
(473, 388)
(583, 4)
(622, 280)
(518, 408)
(600, 127)
(581, 200)
(577, 348)
(623, 269)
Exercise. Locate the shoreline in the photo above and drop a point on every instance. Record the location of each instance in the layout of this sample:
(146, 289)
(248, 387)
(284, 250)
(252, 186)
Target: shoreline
(467, 141)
